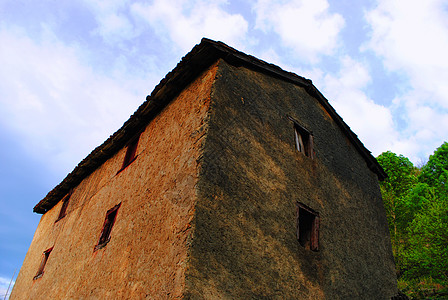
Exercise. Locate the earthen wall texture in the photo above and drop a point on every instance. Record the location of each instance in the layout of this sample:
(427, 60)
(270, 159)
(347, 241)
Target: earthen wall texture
(208, 208)
(147, 254)
(251, 177)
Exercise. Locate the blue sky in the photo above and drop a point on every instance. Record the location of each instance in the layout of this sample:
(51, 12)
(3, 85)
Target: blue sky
(71, 72)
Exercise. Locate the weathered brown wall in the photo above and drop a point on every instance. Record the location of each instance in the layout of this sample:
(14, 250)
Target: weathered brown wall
(146, 256)
(229, 233)
(244, 244)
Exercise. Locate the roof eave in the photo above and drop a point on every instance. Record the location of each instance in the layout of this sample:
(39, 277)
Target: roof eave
(197, 60)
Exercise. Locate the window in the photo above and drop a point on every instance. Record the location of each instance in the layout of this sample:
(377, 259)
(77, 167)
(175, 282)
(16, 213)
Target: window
(304, 140)
(307, 227)
(111, 215)
(43, 262)
(130, 153)
(63, 210)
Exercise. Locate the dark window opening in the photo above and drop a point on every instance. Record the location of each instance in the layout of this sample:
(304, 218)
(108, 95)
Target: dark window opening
(64, 206)
(131, 150)
(111, 215)
(304, 140)
(307, 227)
(43, 262)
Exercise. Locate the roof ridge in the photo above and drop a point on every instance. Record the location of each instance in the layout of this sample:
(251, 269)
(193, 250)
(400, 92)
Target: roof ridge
(190, 66)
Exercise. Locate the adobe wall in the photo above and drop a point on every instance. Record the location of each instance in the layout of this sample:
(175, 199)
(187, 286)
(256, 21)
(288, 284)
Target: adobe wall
(245, 244)
(146, 256)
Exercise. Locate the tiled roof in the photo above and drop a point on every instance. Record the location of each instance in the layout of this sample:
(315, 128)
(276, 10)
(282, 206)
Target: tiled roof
(191, 65)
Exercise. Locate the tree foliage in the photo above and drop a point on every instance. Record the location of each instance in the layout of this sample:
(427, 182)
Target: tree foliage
(416, 204)
(435, 172)
(395, 190)
(427, 255)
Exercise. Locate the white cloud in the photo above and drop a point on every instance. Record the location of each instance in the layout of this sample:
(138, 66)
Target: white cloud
(112, 19)
(113, 27)
(56, 104)
(184, 22)
(412, 39)
(425, 125)
(306, 26)
(373, 123)
(60, 107)
(4, 284)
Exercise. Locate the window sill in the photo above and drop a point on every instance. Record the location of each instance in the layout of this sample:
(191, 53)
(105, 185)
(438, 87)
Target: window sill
(102, 245)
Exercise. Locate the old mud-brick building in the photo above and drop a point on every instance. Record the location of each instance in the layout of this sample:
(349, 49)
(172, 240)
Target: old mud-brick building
(234, 180)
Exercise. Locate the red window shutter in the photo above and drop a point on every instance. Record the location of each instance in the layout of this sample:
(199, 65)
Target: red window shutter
(109, 221)
(298, 222)
(130, 153)
(43, 262)
(311, 147)
(64, 206)
(315, 234)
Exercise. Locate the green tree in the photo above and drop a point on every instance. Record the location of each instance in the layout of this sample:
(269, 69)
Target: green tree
(416, 203)
(395, 191)
(427, 255)
(417, 197)
(435, 172)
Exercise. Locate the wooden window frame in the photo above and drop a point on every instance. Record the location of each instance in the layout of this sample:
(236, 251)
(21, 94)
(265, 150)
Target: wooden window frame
(304, 141)
(109, 221)
(43, 262)
(307, 227)
(131, 151)
(63, 211)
